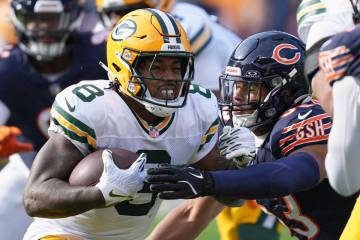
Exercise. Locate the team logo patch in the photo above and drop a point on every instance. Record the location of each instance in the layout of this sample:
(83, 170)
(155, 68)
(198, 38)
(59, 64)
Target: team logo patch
(285, 58)
(124, 30)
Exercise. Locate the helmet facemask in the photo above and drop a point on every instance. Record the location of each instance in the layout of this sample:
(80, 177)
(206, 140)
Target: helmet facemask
(254, 103)
(160, 81)
(44, 31)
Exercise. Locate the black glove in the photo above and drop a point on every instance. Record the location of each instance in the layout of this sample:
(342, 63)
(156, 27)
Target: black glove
(177, 182)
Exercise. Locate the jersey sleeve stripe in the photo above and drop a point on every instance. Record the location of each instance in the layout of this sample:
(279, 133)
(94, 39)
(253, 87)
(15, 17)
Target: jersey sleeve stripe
(201, 39)
(304, 122)
(301, 142)
(209, 133)
(72, 124)
(310, 9)
(80, 125)
(74, 136)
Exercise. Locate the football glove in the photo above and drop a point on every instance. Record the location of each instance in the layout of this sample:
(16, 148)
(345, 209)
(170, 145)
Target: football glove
(237, 144)
(8, 143)
(117, 184)
(179, 182)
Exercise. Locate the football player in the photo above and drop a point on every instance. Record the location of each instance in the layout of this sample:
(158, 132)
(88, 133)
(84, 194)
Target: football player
(148, 106)
(49, 57)
(334, 93)
(205, 35)
(264, 89)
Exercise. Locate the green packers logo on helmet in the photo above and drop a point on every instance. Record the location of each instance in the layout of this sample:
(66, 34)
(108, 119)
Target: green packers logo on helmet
(124, 30)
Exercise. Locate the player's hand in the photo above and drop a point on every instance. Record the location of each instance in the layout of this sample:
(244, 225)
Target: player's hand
(118, 185)
(8, 143)
(178, 182)
(237, 144)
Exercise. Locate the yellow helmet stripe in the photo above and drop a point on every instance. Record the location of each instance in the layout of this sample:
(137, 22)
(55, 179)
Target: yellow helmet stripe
(167, 24)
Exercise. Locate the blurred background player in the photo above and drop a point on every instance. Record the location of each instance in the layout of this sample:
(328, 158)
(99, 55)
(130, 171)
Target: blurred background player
(289, 168)
(204, 33)
(50, 55)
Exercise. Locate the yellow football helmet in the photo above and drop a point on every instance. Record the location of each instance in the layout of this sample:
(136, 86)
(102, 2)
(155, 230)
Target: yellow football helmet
(107, 8)
(148, 34)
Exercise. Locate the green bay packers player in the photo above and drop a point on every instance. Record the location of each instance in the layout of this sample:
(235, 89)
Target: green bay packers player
(211, 43)
(149, 106)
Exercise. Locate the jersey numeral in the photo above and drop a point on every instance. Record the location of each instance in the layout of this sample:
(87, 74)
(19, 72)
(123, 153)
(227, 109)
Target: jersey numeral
(87, 92)
(128, 208)
(308, 227)
(200, 90)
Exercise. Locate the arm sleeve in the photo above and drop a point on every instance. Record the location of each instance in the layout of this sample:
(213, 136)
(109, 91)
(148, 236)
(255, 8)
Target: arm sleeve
(342, 160)
(297, 172)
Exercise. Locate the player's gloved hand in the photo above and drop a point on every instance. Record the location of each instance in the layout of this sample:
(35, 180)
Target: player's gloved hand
(177, 182)
(9, 144)
(237, 144)
(117, 184)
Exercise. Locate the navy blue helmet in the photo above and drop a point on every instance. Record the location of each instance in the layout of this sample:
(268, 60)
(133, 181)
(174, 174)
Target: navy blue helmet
(43, 26)
(263, 78)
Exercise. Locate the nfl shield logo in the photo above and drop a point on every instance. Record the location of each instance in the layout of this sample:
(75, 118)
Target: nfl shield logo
(153, 132)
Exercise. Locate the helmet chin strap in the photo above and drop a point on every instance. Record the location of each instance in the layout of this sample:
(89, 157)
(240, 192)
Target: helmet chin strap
(158, 110)
(245, 120)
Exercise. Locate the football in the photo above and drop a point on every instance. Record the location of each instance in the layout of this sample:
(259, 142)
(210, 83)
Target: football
(88, 171)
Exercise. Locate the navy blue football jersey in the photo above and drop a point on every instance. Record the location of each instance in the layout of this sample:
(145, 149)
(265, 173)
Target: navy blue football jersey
(340, 55)
(319, 213)
(29, 95)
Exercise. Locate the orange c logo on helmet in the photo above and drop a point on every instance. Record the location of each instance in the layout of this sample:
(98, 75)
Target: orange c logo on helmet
(284, 60)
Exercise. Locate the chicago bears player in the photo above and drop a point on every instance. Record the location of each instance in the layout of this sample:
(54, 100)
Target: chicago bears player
(50, 56)
(264, 89)
(148, 106)
(204, 33)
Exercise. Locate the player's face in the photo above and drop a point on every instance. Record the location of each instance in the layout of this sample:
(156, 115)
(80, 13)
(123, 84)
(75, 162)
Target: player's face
(247, 97)
(43, 25)
(168, 70)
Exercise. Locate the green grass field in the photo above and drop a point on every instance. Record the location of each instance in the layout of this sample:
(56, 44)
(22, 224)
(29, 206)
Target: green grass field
(211, 232)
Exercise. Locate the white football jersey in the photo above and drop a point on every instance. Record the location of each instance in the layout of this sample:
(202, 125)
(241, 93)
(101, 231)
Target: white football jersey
(211, 43)
(93, 116)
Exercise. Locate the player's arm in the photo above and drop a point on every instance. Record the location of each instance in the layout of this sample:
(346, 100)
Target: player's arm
(47, 193)
(342, 163)
(301, 170)
(187, 220)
